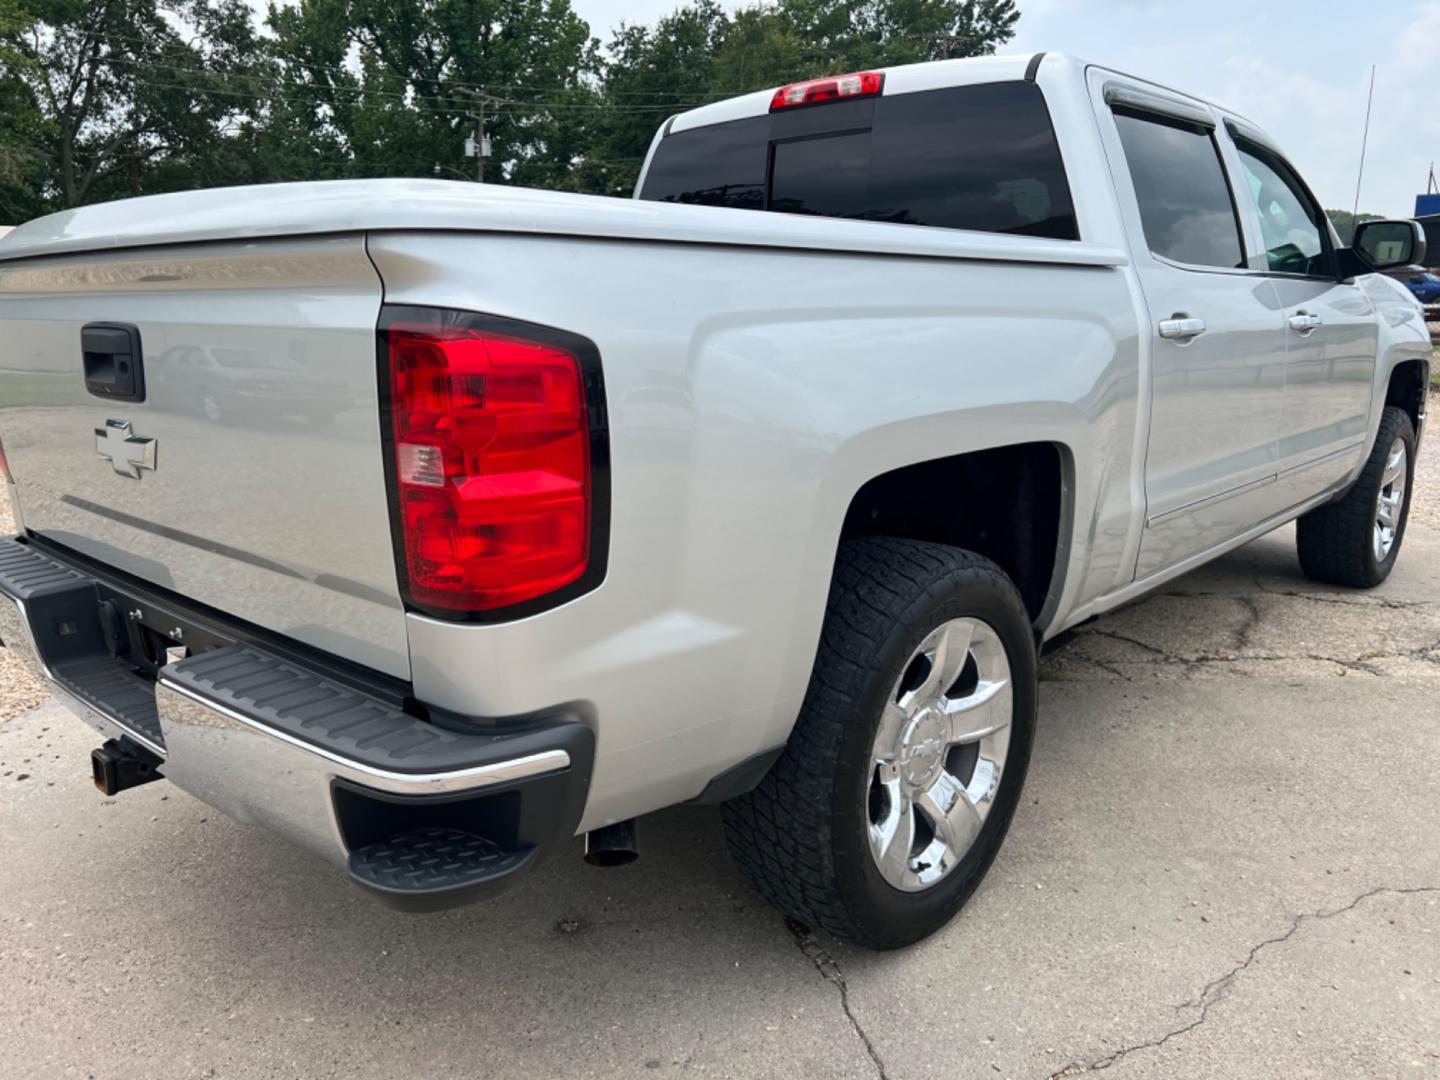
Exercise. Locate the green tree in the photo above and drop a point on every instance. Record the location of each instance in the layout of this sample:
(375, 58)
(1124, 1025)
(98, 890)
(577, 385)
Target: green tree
(651, 73)
(105, 98)
(393, 87)
(107, 89)
(1345, 222)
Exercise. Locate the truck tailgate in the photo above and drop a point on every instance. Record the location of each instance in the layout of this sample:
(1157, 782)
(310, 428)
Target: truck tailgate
(263, 492)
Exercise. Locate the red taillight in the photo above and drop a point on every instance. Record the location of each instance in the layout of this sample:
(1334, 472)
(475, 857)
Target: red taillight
(856, 84)
(4, 466)
(491, 443)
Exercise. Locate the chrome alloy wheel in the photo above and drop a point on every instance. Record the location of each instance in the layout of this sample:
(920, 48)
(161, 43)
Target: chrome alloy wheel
(939, 753)
(1390, 501)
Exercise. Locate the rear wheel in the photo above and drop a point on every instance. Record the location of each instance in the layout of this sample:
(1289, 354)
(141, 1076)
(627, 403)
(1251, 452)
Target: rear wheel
(1356, 541)
(905, 766)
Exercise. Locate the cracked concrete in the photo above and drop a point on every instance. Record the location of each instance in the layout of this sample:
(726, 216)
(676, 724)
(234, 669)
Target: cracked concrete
(1224, 866)
(829, 968)
(1215, 990)
(1230, 623)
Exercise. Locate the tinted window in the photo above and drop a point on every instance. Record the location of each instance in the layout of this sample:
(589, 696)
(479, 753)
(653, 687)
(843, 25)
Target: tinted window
(972, 157)
(1289, 222)
(826, 176)
(719, 165)
(1185, 204)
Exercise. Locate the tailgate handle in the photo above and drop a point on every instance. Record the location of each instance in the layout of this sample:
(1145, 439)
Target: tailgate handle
(113, 364)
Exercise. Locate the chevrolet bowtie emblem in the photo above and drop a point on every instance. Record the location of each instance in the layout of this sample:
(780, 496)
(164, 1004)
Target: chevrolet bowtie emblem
(127, 452)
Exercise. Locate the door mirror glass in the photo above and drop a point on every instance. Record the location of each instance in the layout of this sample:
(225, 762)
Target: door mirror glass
(1388, 244)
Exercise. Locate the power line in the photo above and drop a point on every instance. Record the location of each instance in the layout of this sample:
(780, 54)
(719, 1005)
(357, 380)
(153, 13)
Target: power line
(420, 105)
(347, 73)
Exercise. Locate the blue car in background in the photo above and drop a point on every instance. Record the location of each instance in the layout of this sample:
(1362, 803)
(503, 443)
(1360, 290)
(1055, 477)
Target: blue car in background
(1425, 284)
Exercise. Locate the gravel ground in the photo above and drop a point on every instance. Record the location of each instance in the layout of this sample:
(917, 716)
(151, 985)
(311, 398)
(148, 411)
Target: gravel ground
(1425, 507)
(19, 690)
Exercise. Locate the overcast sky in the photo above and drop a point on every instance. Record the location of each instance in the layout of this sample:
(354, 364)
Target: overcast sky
(1298, 69)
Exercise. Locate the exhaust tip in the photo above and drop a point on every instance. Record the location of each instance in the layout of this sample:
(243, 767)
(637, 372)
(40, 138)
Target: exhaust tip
(612, 845)
(611, 857)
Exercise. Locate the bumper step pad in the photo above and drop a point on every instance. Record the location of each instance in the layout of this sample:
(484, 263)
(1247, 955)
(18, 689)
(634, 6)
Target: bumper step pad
(308, 706)
(432, 866)
(114, 689)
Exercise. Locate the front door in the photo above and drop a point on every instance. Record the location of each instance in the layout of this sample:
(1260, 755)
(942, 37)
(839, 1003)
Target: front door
(1331, 332)
(1217, 339)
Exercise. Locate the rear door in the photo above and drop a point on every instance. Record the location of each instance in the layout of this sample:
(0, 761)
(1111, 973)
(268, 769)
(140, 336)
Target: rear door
(1331, 333)
(250, 476)
(1217, 339)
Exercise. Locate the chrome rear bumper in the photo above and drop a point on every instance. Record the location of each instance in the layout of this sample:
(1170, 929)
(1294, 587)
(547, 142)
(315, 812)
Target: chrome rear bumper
(423, 815)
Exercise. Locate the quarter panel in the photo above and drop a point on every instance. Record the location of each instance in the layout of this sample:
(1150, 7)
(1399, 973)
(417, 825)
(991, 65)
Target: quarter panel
(750, 395)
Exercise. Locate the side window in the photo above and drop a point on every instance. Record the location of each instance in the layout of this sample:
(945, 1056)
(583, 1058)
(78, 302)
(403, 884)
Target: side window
(1185, 204)
(1290, 223)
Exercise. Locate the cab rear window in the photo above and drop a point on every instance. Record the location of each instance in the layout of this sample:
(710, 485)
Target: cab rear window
(967, 157)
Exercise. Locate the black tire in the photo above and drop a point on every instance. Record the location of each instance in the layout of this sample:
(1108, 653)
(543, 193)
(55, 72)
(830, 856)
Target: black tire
(800, 836)
(1336, 541)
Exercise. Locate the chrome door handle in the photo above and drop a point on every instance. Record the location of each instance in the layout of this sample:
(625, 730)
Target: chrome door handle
(1181, 329)
(1302, 322)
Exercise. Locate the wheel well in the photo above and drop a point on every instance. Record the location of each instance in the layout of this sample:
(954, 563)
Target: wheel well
(1003, 503)
(1408, 388)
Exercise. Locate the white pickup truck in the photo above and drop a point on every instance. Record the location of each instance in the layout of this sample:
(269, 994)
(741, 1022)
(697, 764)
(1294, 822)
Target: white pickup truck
(432, 524)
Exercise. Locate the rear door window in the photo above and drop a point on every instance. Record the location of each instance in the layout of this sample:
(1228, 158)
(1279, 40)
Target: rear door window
(1186, 208)
(968, 157)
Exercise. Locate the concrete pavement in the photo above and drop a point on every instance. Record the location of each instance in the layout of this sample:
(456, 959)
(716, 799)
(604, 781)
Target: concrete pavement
(1226, 864)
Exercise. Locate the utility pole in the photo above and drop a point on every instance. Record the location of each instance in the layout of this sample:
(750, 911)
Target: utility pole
(480, 137)
(479, 144)
(945, 40)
